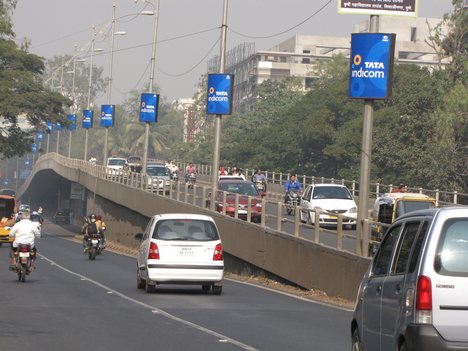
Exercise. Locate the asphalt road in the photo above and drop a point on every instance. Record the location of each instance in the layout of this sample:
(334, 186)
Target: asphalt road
(72, 303)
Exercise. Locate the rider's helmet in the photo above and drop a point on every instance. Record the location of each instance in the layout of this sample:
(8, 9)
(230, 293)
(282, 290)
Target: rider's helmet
(92, 216)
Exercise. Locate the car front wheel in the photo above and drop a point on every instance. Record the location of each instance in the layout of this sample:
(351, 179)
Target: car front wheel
(356, 343)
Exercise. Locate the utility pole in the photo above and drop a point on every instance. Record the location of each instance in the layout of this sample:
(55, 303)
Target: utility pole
(366, 152)
(214, 175)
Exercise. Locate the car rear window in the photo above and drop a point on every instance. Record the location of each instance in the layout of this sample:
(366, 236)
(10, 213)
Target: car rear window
(241, 188)
(452, 250)
(185, 229)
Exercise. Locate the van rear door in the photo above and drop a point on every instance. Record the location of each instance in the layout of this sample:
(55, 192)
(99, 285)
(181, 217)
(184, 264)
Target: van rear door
(450, 284)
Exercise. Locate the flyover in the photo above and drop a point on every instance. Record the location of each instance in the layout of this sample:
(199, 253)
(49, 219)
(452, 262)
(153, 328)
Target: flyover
(127, 204)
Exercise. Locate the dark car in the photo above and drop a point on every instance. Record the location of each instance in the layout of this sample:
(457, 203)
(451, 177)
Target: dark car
(244, 189)
(62, 216)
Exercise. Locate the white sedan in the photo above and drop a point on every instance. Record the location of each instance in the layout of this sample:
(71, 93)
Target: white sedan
(180, 248)
(331, 200)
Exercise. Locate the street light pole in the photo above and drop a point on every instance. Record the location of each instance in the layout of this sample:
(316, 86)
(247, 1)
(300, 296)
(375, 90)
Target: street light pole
(214, 175)
(151, 82)
(72, 108)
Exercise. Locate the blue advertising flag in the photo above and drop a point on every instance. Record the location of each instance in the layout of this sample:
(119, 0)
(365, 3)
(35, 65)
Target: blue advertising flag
(107, 115)
(49, 127)
(219, 94)
(34, 148)
(87, 119)
(371, 65)
(58, 126)
(72, 120)
(40, 136)
(149, 107)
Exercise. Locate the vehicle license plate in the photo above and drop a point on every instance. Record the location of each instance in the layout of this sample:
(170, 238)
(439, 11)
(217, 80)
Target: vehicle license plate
(24, 254)
(186, 251)
(332, 217)
(94, 241)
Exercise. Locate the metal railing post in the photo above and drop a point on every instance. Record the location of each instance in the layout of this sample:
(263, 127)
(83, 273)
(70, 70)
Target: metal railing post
(186, 193)
(317, 226)
(224, 202)
(203, 196)
(194, 199)
(279, 219)
(249, 209)
(236, 208)
(297, 222)
(263, 221)
(339, 234)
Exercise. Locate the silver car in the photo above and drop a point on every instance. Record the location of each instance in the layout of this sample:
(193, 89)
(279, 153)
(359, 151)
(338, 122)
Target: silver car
(414, 295)
(158, 178)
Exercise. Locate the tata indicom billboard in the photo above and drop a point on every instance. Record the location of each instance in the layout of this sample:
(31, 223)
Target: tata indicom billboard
(219, 94)
(107, 115)
(406, 8)
(371, 65)
(149, 107)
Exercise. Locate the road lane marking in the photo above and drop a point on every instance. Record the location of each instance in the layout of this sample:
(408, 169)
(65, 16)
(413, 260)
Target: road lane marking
(153, 309)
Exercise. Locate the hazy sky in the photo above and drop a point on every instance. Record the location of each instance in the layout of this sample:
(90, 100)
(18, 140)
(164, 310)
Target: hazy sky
(56, 26)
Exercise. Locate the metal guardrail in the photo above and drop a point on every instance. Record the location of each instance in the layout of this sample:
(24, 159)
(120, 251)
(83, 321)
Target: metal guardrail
(172, 190)
(443, 198)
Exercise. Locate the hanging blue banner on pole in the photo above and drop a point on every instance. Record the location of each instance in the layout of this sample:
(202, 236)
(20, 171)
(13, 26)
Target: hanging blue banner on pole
(87, 119)
(219, 94)
(371, 66)
(72, 120)
(58, 126)
(40, 136)
(49, 127)
(149, 107)
(34, 148)
(107, 115)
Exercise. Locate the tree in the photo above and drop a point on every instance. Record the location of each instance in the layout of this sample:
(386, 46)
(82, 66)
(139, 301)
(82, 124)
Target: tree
(22, 94)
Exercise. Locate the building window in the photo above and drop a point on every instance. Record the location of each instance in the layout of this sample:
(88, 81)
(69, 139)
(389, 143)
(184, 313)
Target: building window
(305, 60)
(306, 51)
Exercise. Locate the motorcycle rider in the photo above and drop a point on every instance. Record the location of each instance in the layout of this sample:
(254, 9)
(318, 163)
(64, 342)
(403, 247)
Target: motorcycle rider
(189, 170)
(24, 232)
(259, 177)
(292, 184)
(89, 227)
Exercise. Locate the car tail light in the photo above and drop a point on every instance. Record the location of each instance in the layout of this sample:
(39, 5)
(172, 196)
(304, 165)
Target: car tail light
(218, 253)
(424, 300)
(153, 253)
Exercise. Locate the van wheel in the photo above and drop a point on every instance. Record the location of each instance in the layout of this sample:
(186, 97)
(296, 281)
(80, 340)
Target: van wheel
(403, 347)
(140, 282)
(206, 287)
(356, 343)
(149, 288)
(217, 289)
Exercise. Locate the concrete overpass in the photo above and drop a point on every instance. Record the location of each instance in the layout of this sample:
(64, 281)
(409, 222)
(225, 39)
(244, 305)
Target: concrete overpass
(125, 203)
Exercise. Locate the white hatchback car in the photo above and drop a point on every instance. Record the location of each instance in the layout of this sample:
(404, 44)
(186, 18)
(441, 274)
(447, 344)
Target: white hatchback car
(180, 248)
(331, 200)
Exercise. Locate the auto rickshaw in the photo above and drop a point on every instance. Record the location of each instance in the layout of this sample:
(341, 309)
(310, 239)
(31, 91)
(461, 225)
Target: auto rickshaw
(7, 212)
(388, 207)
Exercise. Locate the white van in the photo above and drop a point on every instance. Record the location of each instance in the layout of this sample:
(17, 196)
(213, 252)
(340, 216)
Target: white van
(414, 295)
(116, 163)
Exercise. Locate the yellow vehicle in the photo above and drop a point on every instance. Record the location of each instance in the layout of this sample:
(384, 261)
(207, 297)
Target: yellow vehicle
(388, 207)
(7, 211)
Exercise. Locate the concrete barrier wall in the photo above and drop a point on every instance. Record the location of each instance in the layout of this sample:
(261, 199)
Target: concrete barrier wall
(302, 262)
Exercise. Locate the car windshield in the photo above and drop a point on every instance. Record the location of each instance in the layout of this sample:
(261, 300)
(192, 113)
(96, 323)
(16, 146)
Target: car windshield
(115, 162)
(241, 188)
(185, 229)
(157, 171)
(331, 192)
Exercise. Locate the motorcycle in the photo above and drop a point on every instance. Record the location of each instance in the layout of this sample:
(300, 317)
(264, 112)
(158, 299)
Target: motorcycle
(175, 180)
(260, 185)
(94, 246)
(191, 179)
(293, 199)
(24, 255)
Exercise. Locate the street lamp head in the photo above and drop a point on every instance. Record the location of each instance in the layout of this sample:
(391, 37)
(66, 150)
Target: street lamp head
(122, 32)
(98, 50)
(148, 13)
(81, 60)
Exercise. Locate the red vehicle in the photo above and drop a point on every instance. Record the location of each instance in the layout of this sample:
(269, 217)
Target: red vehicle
(244, 189)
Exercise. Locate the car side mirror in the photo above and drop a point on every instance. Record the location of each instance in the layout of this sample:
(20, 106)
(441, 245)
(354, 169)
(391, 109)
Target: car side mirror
(139, 236)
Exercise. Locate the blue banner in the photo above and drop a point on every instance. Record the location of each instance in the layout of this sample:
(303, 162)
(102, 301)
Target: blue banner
(34, 148)
(371, 66)
(107, 115)
(40, 136)
(49, 127)
(218, 97)
(72, 120)
(87, 119)
(149, 107)
(58, 126)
